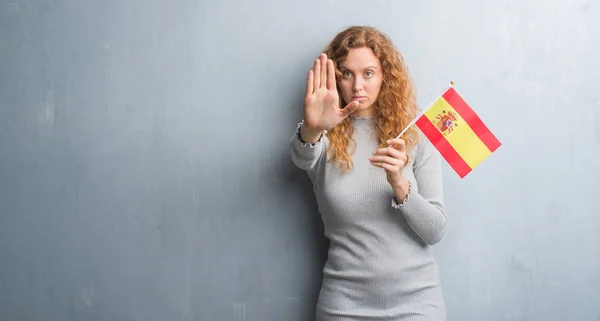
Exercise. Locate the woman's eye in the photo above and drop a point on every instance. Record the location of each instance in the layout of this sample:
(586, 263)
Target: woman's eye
(346, 74)
(369, 73)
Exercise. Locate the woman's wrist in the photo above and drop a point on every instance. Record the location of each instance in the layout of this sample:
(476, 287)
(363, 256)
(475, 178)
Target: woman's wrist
(401, 189)
(310, 135)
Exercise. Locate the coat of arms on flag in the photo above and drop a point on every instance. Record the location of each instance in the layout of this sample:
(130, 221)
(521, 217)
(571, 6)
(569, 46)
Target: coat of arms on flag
(446, 121)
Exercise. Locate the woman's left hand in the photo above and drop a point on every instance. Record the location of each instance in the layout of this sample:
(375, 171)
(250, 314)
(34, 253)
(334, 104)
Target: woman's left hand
(392, 159)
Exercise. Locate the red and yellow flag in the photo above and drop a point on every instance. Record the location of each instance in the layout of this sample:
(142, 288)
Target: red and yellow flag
(457, 132)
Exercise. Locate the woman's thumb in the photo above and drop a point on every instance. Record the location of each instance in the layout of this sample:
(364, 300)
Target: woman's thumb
(350, 108)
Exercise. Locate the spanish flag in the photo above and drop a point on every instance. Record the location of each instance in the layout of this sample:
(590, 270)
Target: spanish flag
(457, 132)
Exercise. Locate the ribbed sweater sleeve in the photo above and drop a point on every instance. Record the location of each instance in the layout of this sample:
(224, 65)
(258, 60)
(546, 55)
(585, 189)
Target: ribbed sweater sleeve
(304, 155)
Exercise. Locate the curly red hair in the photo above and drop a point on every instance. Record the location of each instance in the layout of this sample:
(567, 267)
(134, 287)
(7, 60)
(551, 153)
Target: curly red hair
(396, 104)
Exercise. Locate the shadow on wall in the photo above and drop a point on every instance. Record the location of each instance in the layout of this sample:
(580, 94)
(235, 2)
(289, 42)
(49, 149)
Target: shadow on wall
(293, 178)
(304, 207)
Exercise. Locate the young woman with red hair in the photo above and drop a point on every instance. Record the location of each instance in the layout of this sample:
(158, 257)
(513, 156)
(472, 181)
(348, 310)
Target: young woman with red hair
(380, 198)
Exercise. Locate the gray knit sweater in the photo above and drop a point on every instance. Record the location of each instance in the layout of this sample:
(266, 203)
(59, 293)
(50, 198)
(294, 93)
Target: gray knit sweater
(379, 266)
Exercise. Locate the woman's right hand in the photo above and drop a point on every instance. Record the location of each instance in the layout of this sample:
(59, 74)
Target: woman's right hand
(321, 105)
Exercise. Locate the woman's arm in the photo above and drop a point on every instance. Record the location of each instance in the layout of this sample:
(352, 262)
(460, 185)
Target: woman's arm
(307, 147)
(424, 210)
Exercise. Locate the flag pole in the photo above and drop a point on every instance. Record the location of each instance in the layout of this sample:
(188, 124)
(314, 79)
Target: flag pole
(412, 122)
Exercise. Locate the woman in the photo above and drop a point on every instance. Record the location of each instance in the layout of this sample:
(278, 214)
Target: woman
(380, 198)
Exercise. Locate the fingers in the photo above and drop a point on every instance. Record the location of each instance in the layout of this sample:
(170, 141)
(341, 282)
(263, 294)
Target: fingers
(390, 164)
(323, 70)
(390, 151)
(387, 167)
(397, 143)
(322, 75)
(317, 75)
(350, 108)
(309, 83)
(390, 156)
(330, 75)
(384, 159)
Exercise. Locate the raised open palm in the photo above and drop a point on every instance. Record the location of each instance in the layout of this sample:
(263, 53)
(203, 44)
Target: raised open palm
(321, 105)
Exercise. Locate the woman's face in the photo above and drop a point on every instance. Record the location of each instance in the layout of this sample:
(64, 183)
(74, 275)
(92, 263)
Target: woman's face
(361, 79)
